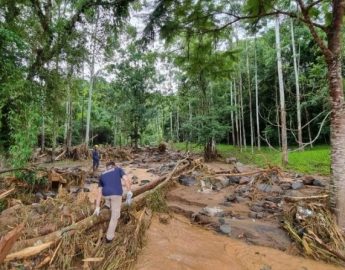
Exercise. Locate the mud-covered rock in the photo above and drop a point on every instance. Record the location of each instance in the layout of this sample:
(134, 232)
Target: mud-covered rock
(308, 180)
(297, 185)
(234, 179)
(225, 229)
(244, 180)
(187, 180)
(319, 183)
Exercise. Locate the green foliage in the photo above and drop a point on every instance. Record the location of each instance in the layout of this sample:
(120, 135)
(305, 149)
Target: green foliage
(156, 202)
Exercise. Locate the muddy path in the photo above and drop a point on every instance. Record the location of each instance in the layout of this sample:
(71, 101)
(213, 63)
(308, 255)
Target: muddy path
(181, 245)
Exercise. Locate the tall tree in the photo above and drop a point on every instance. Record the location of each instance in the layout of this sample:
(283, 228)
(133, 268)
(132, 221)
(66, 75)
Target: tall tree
(281, 94)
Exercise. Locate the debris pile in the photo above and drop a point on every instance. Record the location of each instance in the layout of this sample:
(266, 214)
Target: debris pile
(313, 228)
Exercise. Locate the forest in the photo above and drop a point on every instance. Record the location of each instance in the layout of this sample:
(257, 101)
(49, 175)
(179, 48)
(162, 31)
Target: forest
(254, 79)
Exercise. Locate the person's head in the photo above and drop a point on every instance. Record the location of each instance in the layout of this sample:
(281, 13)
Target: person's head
(110, 164)
(95, 147)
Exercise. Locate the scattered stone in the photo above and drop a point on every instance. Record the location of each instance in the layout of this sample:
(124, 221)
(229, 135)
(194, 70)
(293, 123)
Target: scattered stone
(50, 194)
(244, 180)
(221, 221)
(274, 199)
(39, 196)
(308, 180)
(264, 187)
(212, 211)
(319, 183)
(231, 160)
(187, 180)
(227, 204)
(225, 228)
(297, 185)
(217, 186)
(252, 214)
(240, 199)
(223, 180)
(134, 179)
(234, 179)
(260, 215)
(74, 189)
(144, 182)
(231, 198)
(285, 185)
(256, 208)
(239, 167)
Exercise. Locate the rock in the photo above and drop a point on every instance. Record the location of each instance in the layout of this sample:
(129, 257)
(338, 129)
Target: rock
(297, 185)
(319, 183)
(257, 208)
(244, 180)
(187, 180)
(234, 179)
(74, 189)
(217, 186)
(274, 199)
(252, 214)
(223, 180)
(134, 179)
(227, 204)
(264, 187)
(231, 198)
(144, 182)
(239, 167)
(308, 180)
(285, 185)
(231, 160)
(260, 215)
(39, 196)
(240, 199)
(212, 211)
(221, 220)
(225, 228)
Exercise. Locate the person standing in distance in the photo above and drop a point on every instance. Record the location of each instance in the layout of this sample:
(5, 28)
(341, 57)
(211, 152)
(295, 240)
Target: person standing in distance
(95, 158)
(110, 187)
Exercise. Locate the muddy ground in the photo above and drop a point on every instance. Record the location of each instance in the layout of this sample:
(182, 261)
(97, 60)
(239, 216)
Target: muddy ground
(215, 221)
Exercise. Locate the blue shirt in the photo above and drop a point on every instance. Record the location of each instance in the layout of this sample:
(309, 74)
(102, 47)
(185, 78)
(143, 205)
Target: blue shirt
(95, 155)
(110, 181)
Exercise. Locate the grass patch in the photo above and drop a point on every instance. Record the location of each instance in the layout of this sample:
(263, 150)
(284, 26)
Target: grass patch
(314, 160)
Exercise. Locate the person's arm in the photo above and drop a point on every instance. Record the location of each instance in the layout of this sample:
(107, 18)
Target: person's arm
(128, 183)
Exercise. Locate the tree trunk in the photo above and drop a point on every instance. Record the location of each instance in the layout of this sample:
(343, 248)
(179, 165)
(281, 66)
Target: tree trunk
(337, 135)
(244, 140)
(171, 126)
(309, 131)
(298, 97)
(92, 74)
(277, 118)
(250, 105)
(210, 152)
(238, 129)
(281, 95)
(232, 115)
(257, 101)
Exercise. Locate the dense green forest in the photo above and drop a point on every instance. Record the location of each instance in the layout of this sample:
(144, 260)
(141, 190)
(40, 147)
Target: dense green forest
(246, 73)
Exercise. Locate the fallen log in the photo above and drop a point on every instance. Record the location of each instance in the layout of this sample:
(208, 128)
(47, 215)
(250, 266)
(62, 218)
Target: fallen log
(28, 252)
(6, 193)
(94, 220)
(7, 241)
(308, 198)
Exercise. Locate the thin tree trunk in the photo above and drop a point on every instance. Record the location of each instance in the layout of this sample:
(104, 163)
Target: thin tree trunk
(232, 116)
(250, 104)
(277, 118)
(177, 124)
(115, 132)
(309, 131)
(281, 95)
(257, 100)
(171, 126)
(236, 117)
(244, 140)
(298, 97)
(43, 136)
(92, 74)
